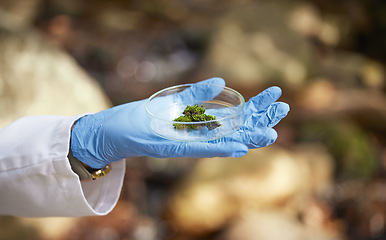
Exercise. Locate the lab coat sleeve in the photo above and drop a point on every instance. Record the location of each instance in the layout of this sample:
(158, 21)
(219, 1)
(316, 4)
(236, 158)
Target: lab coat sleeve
(36, 179)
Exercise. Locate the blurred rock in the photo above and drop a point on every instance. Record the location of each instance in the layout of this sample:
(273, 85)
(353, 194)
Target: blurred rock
(320, 95)
(37, 77)
(324, 96)
(53, 228)
(118, 224)
(220, 189)
(350, 70)
(18, 14)
(257, 44)
(272, 225)
(373, 75)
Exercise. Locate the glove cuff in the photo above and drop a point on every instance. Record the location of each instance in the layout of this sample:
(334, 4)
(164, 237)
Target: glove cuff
(82, 146)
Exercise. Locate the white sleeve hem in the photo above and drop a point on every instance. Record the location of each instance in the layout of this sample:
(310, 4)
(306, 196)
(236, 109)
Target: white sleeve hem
(36, 179)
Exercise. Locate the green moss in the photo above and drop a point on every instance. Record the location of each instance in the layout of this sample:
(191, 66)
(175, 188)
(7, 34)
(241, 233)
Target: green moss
(194, 110)
(195, 113)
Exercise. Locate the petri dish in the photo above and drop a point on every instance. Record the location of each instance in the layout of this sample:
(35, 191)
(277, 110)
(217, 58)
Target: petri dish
(164, 106)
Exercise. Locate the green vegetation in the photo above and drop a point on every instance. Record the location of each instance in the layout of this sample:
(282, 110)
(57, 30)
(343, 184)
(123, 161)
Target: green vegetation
(195, 113)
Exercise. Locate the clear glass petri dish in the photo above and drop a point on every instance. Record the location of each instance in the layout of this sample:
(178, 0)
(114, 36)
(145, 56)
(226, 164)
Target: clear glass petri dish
(226, 104)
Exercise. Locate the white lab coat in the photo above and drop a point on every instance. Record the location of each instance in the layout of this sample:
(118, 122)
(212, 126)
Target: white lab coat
(36, 179)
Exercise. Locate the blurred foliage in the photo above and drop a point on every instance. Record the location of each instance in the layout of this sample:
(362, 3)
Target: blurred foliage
(352, 147)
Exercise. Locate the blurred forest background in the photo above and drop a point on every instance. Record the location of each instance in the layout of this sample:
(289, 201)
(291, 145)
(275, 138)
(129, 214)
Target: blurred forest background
(324, 178)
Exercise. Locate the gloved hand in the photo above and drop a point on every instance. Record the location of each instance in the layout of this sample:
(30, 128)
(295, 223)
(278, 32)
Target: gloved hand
(122, 132)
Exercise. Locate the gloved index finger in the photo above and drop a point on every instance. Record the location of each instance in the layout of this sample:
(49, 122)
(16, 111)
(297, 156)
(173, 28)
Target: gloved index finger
(192, 94)
(188, 94)
(262, 101)
(202, 91)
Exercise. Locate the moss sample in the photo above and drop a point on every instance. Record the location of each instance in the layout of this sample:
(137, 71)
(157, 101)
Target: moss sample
(195, 113)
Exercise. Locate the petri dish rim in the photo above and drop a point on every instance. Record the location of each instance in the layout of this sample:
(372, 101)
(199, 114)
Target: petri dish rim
(240, 107)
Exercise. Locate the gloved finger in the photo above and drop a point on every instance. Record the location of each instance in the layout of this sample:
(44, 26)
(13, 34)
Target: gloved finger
(195, 93)
(269, 118)
(262, 100)
(211, 149)
(259, 137)
(202, 91)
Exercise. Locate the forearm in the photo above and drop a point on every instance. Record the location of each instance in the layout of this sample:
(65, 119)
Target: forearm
(35, 174)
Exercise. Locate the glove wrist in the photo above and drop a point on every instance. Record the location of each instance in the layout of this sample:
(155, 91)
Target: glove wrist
(83, 134)
(79, 155)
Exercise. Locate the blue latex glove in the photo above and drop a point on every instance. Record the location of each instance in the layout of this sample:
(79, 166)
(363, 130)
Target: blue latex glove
(122, 131)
